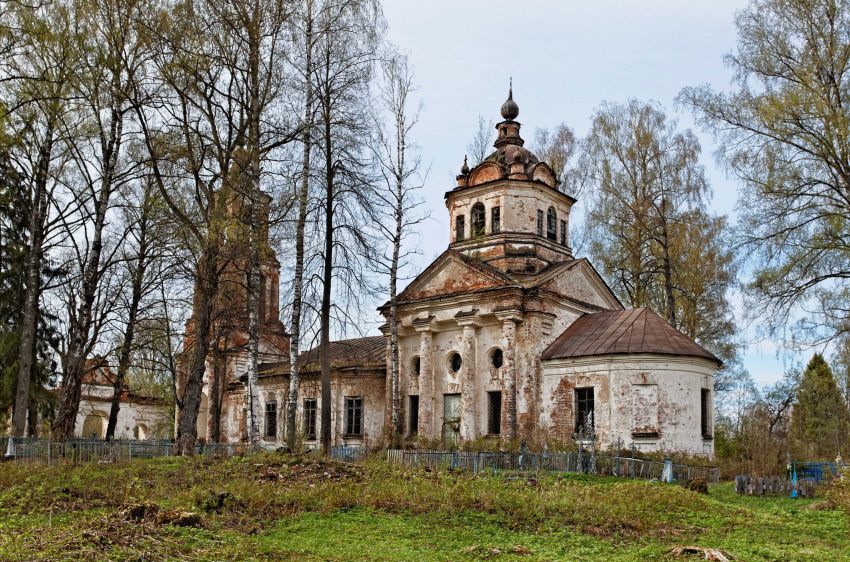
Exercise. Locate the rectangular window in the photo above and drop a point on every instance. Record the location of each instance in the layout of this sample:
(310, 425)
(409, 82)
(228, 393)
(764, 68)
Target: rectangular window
(539, 223)
(494, 413)
(310, 418)
(354, 415)
(705, 412)
(460, 227)
(495, 220)
(271, 420)
(563, 233)
(584, 408)
(413, 415)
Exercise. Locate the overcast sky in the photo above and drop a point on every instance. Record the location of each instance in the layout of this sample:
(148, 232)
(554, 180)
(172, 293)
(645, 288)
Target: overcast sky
(565, 57)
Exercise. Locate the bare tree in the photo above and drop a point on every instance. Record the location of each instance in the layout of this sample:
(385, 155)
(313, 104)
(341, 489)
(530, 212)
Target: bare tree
(347, 38)
(400, 169)
(303, 203)
(557, 148)
(110, 50)
(482, 141)
(219, 70)
(144, 246)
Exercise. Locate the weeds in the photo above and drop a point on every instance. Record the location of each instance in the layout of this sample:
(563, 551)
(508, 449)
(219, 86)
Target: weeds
(112, 511)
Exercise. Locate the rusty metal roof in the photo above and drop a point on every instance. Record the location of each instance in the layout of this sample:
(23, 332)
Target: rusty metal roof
(358, 352)
(629, 331)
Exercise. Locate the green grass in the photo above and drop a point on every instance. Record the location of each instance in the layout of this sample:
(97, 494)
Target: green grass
(275, 507)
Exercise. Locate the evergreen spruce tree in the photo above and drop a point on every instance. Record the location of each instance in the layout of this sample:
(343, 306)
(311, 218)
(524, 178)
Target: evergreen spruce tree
(819, 421)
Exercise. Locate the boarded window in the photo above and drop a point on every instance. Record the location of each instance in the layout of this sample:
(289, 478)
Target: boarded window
(584, 409)
(495, 220)
(271, 420)
(551, 224)
(354, 415)
(460, 228)
(563, 233)
(310, 418)
(413, 415)
(645, 408)
(539, 223)
(478, 219)
(494, 413)
(705, 412)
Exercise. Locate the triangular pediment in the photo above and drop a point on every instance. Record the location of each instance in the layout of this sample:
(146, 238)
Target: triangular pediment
(581, 282)
(453, 273)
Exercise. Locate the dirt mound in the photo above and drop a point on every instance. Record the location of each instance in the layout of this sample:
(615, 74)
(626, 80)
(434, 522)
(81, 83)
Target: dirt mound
(303, 469)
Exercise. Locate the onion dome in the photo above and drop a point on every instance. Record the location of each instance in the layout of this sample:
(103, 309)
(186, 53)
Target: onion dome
(510, 109)
(511, 159)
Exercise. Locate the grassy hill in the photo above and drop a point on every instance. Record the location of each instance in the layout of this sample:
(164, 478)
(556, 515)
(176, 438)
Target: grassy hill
(275, 507)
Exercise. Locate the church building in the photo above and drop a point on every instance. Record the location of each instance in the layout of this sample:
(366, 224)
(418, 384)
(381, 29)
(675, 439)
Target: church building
(505, 335)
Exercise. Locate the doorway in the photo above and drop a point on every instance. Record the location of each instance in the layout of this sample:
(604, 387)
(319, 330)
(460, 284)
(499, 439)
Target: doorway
(451, 419)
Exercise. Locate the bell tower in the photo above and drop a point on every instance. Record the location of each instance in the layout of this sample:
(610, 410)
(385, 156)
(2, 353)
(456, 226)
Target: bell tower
(507, 210)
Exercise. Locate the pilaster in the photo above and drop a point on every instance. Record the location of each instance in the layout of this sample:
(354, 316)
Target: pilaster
(509, 319)
(426, 376)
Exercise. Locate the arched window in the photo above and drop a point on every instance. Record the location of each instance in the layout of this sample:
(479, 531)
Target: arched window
(94, 426)
(455, 362)
(497, 358)
(140, 432)
(478, 219)
(551, 224)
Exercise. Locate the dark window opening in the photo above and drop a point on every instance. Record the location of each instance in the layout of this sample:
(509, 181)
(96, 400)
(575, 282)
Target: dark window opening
(310, 418)
(460, 228)
(354, 415)
(478, 219)
(539, 223)
(494, 413)
(497, 358)
(495, 220)
(271, 420)
(584, 409)
(705, 412)
(455, 362)
(563, 233)
(416, 365)
(413, 416)
(551, 223)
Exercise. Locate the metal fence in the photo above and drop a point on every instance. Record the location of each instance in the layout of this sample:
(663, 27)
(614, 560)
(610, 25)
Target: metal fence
(579, 462)
(817, 471)
(90, 450)
(348, 453)
(775, 486)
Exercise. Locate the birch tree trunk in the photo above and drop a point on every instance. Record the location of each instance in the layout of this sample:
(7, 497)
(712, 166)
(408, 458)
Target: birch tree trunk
(298, 282)
(255, 198)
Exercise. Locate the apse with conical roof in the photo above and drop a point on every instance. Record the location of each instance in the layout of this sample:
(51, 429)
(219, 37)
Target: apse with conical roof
(507, 209)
